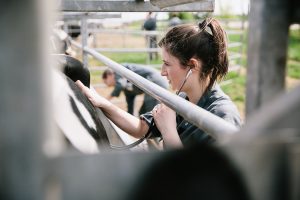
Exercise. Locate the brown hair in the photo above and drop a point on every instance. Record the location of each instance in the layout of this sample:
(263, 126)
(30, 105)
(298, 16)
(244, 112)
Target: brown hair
(106, 73)
(189, 41)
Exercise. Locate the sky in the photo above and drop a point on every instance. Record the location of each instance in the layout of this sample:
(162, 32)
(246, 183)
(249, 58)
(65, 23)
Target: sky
(234, 6)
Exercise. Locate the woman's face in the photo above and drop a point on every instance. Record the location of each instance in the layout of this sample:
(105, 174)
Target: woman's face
(173, 70)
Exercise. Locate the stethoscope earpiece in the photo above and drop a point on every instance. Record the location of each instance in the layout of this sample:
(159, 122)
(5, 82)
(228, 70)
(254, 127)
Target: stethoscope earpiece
(183, 82)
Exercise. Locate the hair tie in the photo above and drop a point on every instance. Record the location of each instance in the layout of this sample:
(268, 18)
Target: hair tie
(202, 26)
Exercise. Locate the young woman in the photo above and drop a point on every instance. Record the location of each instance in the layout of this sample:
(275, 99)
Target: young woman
(194, 59)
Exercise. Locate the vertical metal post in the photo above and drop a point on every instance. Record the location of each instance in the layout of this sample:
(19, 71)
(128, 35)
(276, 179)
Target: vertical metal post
(267, 49)
(241, 49)
(65, 26)
(23, 107)
(84, 38)
(294, 161)
(148, 47)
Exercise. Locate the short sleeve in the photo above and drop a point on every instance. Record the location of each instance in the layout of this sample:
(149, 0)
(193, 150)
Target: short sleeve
(229, 113)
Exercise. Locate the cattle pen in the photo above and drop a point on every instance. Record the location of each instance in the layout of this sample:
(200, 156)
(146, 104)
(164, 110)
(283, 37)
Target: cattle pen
(264, 155)
(131, 41)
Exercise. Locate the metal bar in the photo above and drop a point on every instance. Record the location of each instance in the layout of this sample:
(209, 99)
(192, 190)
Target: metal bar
(126, 50)
(262, 163)
(132, 6)
(294, 160)
(235, 44)
(25, 103)
(210, 123)
(90, 15)
(140, 32)
(239, 61)
(84, 38)
(266, 61)
(97, 68)
(234, 68)
(232, 32)
(282, 113)
(170, 3)
(234, 56)
(127, 32)
(102, 68)
(65, 28)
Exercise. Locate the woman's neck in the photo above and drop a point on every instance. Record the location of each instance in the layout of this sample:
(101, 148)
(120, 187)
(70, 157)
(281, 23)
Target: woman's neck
(196, 91)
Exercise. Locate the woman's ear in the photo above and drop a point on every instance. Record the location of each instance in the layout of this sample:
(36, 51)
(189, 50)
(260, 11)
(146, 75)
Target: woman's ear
(194, 64)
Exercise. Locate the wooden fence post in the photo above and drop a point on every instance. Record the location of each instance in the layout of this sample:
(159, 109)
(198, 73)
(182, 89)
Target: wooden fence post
(24, 100)
(267, 51)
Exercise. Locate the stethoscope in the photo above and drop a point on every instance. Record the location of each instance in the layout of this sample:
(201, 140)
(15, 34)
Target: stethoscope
(129, 146)
(184, 80)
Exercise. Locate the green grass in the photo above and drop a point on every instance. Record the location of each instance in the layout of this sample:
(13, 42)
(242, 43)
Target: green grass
(294, 45)
(236, 90)
(234, 37)
(293, 70)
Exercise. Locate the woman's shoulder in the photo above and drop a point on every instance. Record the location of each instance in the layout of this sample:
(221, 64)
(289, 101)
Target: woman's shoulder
(214, 97)
(220, 104)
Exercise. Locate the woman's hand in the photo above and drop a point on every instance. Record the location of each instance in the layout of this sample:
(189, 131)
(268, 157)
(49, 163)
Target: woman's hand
(165, 121)
(164, 117)
(94, 98)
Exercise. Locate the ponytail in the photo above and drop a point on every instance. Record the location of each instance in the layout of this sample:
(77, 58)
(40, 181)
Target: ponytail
(220, 63)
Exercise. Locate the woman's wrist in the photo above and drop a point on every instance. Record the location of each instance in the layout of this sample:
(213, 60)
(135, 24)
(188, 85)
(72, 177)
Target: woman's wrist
(172, 139)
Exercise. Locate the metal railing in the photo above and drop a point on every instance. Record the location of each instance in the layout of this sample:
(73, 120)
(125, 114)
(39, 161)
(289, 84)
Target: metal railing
(234, 57)
(210, 123)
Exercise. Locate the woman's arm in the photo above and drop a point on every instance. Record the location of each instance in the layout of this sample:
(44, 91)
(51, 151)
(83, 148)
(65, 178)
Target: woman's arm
(127, 122)
(165, 121)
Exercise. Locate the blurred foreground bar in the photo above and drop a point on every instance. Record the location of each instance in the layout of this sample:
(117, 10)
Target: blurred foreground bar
(133, 6)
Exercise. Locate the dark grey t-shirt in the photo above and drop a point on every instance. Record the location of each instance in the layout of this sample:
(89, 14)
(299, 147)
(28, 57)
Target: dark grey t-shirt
(214, 101)
(146, 72)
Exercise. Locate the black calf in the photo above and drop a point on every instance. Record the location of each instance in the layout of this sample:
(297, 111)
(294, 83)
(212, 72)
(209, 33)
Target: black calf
(73, 68)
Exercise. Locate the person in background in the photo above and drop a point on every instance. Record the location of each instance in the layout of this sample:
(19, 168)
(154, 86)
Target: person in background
(151, 39)
(194, 58)
(120, 84)
(174, 20)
